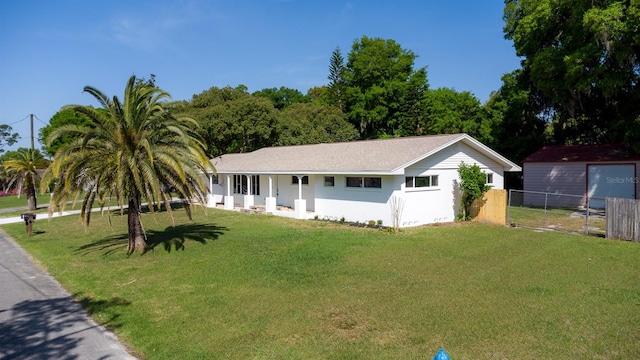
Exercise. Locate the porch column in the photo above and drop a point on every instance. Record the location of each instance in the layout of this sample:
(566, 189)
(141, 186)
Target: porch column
(211, 201)
(248, 198)
(300, 205)
(228, 199)
(270, 201)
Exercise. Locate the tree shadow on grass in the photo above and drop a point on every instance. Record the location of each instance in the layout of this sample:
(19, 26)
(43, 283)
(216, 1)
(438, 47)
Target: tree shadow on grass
(174, 238)
(171, 238)
(53, 328)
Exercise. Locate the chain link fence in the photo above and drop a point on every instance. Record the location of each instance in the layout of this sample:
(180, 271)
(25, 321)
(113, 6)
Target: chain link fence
(557, 212)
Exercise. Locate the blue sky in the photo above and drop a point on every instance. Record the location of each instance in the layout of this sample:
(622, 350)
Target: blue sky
(50, 50)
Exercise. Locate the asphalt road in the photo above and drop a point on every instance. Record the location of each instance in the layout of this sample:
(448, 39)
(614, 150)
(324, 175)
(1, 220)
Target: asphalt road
(40, 320)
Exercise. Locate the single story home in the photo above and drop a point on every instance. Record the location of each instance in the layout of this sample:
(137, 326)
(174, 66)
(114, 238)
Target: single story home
(583, 172)
(358, 180)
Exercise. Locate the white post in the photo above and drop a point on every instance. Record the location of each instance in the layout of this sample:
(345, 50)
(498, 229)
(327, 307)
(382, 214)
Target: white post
(300, 205)
(248, 198)
(228, 199)
(270, 201)
(211, 201)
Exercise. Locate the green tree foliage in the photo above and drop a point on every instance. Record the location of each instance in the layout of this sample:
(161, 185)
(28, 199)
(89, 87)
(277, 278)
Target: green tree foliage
(473, 184)
(518, 118)
(282, 97)
(312, 124)
(232, 120)
(65, 116)
(450, 112)
(382, 88)
(337, 84)
(582, 57)
(132, 152)
(22, 168)
(7, 137)
(317, 94)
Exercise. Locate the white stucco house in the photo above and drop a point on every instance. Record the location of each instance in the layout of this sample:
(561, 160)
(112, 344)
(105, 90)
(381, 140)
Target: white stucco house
(358, 180)
(583, 172)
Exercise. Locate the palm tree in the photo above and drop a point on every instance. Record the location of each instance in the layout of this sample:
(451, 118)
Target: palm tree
(22, 168)
(134, 151)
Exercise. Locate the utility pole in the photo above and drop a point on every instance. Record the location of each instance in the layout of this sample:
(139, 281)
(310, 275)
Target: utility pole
(31, 132)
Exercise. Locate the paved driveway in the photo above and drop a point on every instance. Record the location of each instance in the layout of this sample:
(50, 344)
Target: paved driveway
(39, 319)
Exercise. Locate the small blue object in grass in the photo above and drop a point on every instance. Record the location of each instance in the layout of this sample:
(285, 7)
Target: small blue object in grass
(442, 355)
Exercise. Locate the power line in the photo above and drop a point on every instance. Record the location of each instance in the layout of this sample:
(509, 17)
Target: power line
(23, 119)
(37, 118)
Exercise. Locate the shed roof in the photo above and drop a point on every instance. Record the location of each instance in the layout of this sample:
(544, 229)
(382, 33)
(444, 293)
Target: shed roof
(382, 156)
(583, 153)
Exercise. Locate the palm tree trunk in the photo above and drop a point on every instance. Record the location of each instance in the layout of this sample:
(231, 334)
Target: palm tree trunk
(136, 238)
(31, 197)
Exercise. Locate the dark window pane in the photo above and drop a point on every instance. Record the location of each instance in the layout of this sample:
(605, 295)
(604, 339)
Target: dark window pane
(329, 181)
(408, 181)
(373, 182)
(423, 181)
(354, 181)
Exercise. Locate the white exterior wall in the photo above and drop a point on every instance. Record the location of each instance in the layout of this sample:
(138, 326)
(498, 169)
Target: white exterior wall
(354, 204)
(286, 192)
(421, 206)
(442, 203)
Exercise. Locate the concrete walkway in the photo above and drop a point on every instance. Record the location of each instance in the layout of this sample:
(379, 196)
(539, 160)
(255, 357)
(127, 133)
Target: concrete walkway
(40, 320)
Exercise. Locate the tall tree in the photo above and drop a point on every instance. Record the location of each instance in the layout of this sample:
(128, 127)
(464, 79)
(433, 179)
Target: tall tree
(65, 116)
(583, 57)
(231, 120)
(312, 124)
(317, 94)
(337, 85)
(7, 137)
(382, 86)
(22, 167)
(133, 152)
(282, 97)
(450, 112)
(518, 117)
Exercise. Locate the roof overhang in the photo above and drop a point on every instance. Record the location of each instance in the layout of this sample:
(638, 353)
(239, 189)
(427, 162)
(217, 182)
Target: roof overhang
(507, 165)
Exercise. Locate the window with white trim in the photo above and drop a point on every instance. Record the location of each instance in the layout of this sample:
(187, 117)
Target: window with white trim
(421, 181)
(364, 182)
(329, 181)
(489, 179)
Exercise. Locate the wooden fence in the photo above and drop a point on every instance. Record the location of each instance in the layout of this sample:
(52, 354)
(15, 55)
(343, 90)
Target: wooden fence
(492, 208)
(623, 219)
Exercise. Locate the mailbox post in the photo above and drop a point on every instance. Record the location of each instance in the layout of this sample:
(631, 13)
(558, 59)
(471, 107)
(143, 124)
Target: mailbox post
(28, 218)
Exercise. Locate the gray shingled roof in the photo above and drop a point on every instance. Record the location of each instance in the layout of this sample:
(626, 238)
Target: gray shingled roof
(381, 156)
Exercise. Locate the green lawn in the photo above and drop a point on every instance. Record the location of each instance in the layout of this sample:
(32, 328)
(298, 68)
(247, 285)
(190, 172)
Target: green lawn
(261, 287)
(15, 201)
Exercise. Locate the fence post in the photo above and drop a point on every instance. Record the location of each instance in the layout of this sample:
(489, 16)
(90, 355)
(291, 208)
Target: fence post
(509, 208)
(586, 218)
(544, 221)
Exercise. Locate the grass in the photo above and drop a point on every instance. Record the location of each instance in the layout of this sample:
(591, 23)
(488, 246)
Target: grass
(13, 201)
(237, 286)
